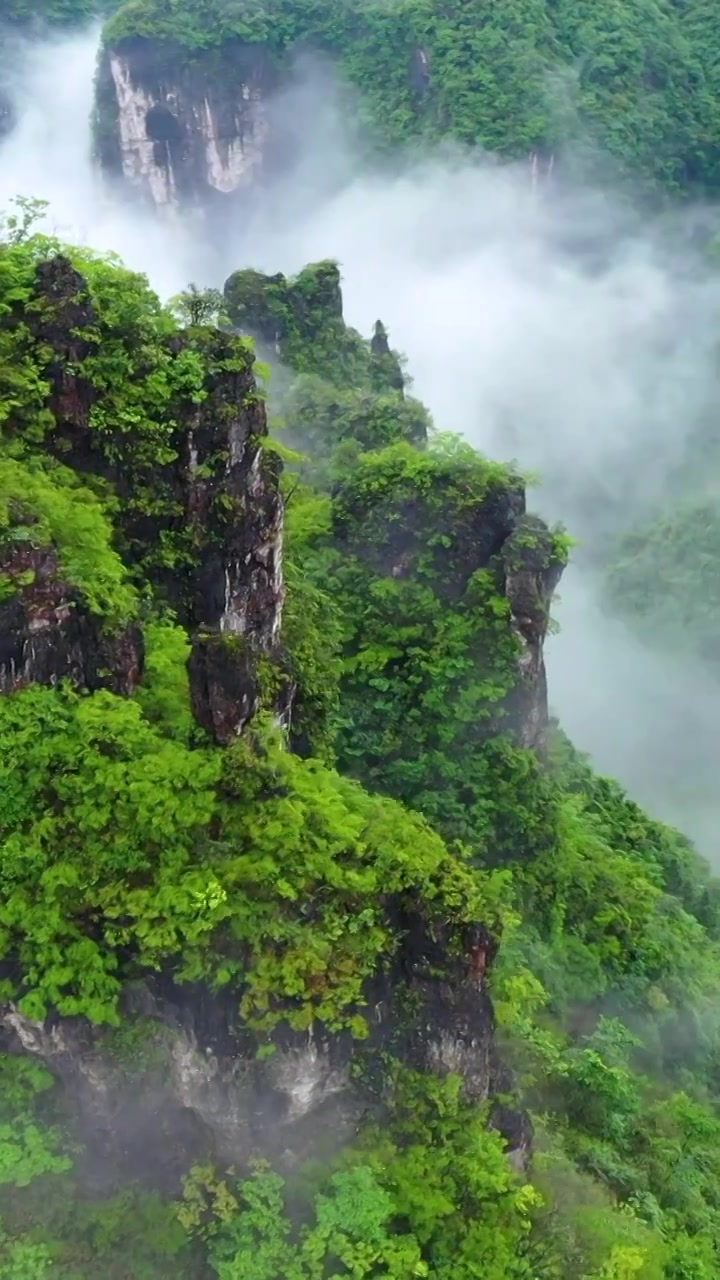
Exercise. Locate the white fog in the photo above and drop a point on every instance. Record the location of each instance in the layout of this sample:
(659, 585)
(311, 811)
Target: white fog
(548, 326)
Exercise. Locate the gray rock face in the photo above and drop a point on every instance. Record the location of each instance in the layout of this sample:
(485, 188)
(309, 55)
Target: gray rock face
(235, 509)
(218, 1101)
(180, 131)
(532, 572)
(196, 1072)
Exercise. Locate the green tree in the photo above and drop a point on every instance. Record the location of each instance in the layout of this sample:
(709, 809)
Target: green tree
(200, 306)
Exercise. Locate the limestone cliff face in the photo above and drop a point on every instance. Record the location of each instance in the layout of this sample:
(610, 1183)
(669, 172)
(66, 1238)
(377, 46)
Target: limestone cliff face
(216, 496)
(234, 509)
(194, 1075)
(532, 572)
(181, 132)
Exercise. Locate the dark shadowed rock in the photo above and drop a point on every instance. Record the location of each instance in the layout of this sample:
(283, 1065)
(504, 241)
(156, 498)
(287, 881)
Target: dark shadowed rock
(234, 510)
(47, 634)
(62, 323)
(430, 1009)
(386, 368)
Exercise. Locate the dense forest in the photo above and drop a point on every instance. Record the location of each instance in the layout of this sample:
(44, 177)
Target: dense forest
(134, 846)
(634, 83)
(278, 784)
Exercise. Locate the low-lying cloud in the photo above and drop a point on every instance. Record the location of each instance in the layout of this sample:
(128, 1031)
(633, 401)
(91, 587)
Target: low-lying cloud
(547, 324)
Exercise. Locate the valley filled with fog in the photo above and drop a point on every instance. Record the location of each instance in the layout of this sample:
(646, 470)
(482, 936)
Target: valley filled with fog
(546, 324)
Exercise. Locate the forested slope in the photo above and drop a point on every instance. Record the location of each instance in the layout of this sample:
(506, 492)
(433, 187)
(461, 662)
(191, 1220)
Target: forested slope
(322, 951)
(286, 824)
(633, 82)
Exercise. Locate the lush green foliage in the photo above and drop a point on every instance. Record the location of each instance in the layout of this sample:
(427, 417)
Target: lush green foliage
(320, 415)
(275, 879)
(140, 379)
(443, 1203)
(36, 13)
(615, 965)
(132, 810)
(615, 1040)
(517, 76)
(199, 306)
(301, 319)
(48, 506)
(428, 655)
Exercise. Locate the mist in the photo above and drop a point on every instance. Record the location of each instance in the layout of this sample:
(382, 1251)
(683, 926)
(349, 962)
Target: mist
(552, 324)
(48, 157)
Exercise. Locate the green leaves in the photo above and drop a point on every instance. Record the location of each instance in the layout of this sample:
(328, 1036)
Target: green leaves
(49, 506)
(199, 307)
(432, 1195)
(124, 807)
(107, 854)
(29, 1149)
(28, 13)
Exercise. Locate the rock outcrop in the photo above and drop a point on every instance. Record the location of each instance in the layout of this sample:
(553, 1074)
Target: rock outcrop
(212, 501)
(183, 130)
(298, 321)
(194, 1072)
(48, 634)
(288, 314)
(208, 501)
(435, 528)
(397, 525)
(532, 571)
(234, 510)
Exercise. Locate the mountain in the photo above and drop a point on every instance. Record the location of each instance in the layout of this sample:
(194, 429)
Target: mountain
(323, 951)
(264, 828)
(186, 91)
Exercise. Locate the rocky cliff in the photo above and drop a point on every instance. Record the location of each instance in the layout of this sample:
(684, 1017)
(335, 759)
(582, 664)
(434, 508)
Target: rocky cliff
(47, 632)
(443, 578)
(184, 131)
(216, 500)
(185, 510)
(187, 1080)
(403, 530)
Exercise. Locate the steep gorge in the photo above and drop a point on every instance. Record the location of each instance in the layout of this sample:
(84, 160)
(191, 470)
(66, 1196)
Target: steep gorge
(266, 818)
